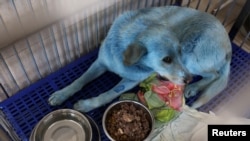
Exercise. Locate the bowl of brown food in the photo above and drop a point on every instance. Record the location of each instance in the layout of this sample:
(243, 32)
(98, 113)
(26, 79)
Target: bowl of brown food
(127, 120)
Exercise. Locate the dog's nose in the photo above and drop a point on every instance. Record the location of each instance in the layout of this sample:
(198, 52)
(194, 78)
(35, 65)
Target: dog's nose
(187, 79)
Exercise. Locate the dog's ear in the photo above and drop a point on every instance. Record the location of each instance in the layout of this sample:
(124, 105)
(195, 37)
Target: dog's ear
(133, 53)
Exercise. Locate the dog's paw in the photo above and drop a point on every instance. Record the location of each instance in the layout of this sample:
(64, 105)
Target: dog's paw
(85, 105)
(190, 91)
(197, 104)
(57, 98)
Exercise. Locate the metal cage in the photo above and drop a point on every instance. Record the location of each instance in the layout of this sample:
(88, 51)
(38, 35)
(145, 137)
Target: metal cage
(46, 44)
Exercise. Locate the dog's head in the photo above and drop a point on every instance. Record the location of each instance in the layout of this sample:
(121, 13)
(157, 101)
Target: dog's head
(160, 52)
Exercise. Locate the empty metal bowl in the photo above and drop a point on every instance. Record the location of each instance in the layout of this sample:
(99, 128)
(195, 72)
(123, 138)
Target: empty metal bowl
(117, 106)
(63, 125)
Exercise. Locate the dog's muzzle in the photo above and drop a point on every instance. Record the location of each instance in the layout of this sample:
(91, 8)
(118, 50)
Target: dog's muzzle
(162, 78)
(187, 79)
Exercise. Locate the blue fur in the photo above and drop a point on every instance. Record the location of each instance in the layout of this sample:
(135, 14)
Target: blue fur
(195, 41)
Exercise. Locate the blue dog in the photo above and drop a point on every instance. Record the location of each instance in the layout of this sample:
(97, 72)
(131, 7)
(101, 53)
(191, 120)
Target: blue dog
(175, 42)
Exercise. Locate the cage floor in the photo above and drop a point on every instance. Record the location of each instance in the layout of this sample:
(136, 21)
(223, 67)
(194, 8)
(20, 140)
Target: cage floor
(27, 107)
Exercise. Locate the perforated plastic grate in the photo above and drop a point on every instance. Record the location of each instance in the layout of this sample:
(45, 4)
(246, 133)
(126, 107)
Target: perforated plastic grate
(239, 77)
(27, 107)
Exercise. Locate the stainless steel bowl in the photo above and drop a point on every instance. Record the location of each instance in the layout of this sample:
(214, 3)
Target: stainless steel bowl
(117, 105)
(63, 125)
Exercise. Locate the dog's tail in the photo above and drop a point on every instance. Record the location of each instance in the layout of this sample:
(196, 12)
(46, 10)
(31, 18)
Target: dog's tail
(214, 88)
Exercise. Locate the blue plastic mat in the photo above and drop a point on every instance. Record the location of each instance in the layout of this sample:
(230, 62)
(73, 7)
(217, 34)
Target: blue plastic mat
(239, 77)
(27, 107)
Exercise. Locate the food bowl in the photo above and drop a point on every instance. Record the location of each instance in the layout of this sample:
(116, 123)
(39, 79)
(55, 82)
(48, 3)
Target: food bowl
(127, 120)
(63, 125)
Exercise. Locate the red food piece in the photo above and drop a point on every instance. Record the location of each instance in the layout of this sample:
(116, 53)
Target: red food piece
(141, 97)
(171, 93)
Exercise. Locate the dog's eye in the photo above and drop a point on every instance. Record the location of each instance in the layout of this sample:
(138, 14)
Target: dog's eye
(167, 59)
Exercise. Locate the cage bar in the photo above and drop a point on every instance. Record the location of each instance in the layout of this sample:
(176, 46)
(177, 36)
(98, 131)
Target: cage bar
(44, 46)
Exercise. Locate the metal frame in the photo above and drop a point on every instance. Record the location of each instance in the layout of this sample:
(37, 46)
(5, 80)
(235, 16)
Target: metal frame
(86, 33)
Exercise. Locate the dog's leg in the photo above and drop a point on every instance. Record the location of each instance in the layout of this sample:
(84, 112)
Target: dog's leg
(209, 86)
(198, 86)
(94, 71)
(106, 97)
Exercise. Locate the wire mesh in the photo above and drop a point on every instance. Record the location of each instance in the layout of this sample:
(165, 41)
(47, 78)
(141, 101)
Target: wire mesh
(33, 57)
(40, 37)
